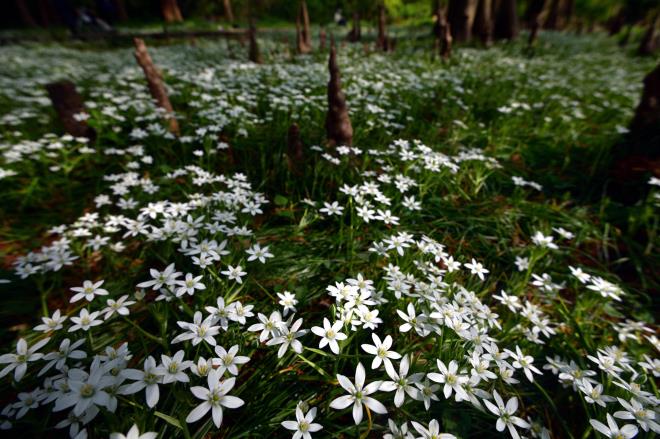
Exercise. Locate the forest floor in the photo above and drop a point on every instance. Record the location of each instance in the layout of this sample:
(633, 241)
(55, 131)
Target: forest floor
(470, 220)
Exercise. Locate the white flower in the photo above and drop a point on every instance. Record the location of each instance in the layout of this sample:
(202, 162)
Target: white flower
(173, 368)
(234, 273)
(579, 274)
(214, 397)
(120, 306)
(148, 379)
(522, 263)
(358, 395)
(303, 424)
(476, 268)
(330, 334)
(332, 209)
(166, 277)
(288, 337)
(53, 323)
(189, 285)
(380, 350)
(427, 392)
(451, 379)
(611, 430)
(198, 330)
(228, 360)
(86, 390)
(505, 414)
(66, 351)
(18, 361)
(257, 252)
(88, 291)
(401, 382)
(85, 320)
(524, 362)
(544, 241)
(635, 410)
(269, 326)
(134, 433)
(288, 301)
(433, 432)
(203, 367)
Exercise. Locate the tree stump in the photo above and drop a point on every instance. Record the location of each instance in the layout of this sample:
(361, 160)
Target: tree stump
(337, 122)
(69, 105)
(294, 151)
(253, 52)
(303, 37)
(155, 83)
(356, 31)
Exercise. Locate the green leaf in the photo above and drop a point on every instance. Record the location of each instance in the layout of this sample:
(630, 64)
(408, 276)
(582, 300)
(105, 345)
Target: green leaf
(281, 200)
(170, 420)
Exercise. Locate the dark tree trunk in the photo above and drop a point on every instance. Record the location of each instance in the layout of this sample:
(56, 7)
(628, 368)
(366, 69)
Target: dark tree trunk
(442, 31)
(322, 39)
(382, 42)
(306, 32)
(155, 83)
(556, 15)
(254, 54)
(483, 22)
(120, 7)
(460, 14)
(68, 104)
(294, 151)
(506, 20)
(639, 154)
(337, 122)
(303, 37)
(24, 12)
(649, 42)
(171, 11)
(356, 32)
(533, 16)
(616, 23)
(229, 13)
(647, 115)
(45, 13)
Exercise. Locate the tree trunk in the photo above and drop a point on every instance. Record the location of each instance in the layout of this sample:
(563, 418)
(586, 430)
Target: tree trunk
(382, 42)
(254, 54)
(356, 32)
(506, 20)
(639, 154)
(442, 31)
(483, 22)
(322, 39)
(556, 15)
(533, 16)
(69, 105)
(303, 37)
(649, 42)
(337, 122)
(229, 13)
(306, 32)
(460, 14)
(294, 151)
(120, 7)
(155, 83)
(170, 10)
(24, 12)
